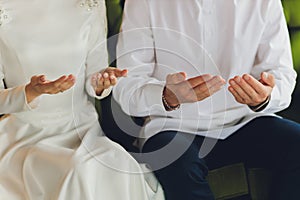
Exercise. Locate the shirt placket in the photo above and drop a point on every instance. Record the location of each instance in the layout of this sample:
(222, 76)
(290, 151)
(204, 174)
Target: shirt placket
(205, 21)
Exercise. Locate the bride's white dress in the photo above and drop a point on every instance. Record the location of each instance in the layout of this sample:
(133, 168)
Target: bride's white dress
(53, 148)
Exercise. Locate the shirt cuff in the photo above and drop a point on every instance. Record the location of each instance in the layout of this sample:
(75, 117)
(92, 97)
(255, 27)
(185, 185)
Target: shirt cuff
(261, 106)
(154, 95)
(91, 91)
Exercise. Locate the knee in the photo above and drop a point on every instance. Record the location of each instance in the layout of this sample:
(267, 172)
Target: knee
(189, 167)
(185, 178)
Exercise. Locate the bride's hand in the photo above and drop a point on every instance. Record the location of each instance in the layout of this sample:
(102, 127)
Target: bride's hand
(106, 78)
(40, 85)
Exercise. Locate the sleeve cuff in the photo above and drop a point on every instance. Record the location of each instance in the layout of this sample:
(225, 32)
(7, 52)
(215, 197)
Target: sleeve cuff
(274, 104)
(104, 94)
(261, 106)
(154, 95)
(90, 90)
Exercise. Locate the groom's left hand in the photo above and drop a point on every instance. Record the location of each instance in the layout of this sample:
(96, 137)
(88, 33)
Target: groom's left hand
(248, 90)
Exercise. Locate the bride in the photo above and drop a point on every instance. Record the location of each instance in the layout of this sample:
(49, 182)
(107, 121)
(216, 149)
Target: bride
(52, 56)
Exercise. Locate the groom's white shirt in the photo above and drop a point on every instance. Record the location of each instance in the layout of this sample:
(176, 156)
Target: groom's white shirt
(220, 37)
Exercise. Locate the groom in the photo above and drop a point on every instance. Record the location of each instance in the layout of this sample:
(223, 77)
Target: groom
(209, 76)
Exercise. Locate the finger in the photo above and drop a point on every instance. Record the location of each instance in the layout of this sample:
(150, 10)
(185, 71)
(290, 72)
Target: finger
(247, 88)
(237, 97)
(255, 84)
(94, 80)
(215, 81)
(234, 83)
(195, 81)
(256, 98)
(72, 77)
(113, 80)
(106, 81)
(56, 83)
(124, 73)
(115, 71)
(67, 84)
(216, 84)
(119, 73)
(268, 79)
(176, 78)
(99, 80)
(35, 80)
(53, 87)
(209, 87)
(99, 83)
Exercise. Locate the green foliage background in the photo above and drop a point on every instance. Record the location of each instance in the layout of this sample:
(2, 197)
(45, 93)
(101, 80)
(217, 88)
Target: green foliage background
(292, 14)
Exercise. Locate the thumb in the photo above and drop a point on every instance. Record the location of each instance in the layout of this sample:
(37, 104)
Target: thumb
(268, 79)
(183, 74)
(176, 78)
(38, 79)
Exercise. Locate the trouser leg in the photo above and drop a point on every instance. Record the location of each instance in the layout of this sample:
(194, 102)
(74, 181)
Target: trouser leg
(267, 142)
(177, 166)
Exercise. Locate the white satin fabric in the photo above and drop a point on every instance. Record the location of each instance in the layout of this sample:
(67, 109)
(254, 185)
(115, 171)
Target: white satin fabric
(54, 148)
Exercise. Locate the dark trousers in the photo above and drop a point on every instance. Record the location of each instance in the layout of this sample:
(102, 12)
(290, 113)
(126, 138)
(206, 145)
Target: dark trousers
(266, 142)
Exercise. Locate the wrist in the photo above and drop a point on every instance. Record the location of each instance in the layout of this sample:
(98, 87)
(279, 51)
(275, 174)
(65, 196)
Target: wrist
(169, 106)
(260, 106)
(99, 92)
(31, 93)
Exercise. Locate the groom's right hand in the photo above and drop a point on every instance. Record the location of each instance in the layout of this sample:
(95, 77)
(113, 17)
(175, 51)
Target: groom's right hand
(180, 90)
